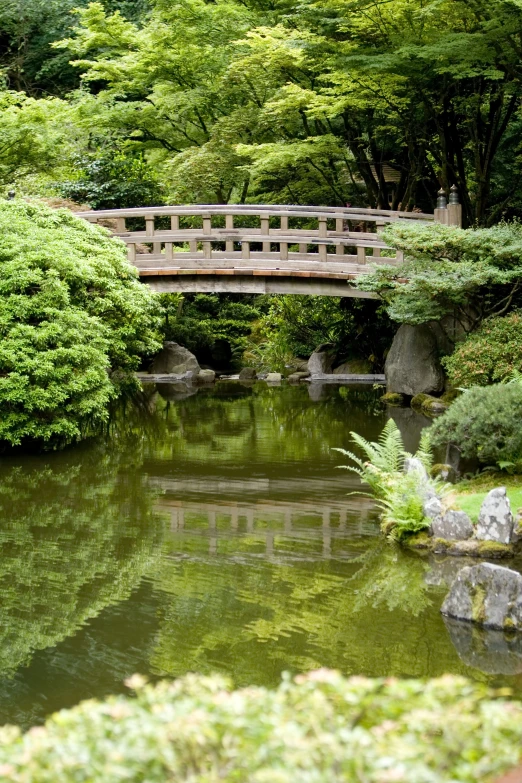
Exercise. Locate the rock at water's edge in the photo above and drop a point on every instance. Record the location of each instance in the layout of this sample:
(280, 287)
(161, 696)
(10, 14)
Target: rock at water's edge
(413, 365)
(487, 594)
(247, 374)
(174, 358)
(495, 522)
(322, 359)
(274, 377)
(205, 376)
(453, 526)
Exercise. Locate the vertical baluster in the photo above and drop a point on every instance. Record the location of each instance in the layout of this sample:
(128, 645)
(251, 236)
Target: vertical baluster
(207, 249)
(193, 245)
(149, 225)
(303, 248)
(265, 231)
(361, 255)
(229, 225)
(339, 229)
(283, 251)
(245, 250)
(174, 222)
(168, 252)
(323, 227)
(323, 252)
(207, 225)
(376, 252)
(131, 253)
(120, 225)
(284, 223)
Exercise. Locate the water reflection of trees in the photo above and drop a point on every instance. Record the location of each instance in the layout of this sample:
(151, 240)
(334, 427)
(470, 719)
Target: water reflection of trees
(78, 532)
(256, 618)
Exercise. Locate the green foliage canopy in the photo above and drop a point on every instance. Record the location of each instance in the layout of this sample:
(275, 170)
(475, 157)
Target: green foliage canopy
(71, 311)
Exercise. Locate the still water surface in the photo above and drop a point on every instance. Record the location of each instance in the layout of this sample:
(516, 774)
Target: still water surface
(214, 533)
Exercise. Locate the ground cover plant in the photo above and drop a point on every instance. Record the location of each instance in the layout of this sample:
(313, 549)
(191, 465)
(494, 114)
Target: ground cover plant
(74, 321)
(321, 727)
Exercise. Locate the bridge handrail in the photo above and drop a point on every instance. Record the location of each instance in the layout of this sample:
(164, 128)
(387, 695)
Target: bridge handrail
(272, 210)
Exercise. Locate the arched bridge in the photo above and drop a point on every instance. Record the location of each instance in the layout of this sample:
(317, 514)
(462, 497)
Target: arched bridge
(255, 248)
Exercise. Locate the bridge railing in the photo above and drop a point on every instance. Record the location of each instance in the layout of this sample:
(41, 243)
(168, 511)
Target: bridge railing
(343, 238)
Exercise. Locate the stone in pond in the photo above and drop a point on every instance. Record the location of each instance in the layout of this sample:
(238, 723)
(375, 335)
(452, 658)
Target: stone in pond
(495, 522)
(174, 358)
(453, 525)
(274, 377)
(487, 594)
(247, 374)
(205, 376)
(322, 359)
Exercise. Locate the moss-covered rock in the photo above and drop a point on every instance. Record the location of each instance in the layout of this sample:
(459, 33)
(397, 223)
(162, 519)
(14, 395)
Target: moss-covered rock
(433, 406)
(420, 540)
(418, 401)
(443, 471)
(393, 398)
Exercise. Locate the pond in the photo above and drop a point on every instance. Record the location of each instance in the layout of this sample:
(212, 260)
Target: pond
(214, 533)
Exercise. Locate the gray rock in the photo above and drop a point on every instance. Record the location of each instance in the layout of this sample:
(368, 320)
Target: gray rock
(175, 391)
(487, 594)
(443, 570)
(274, 377)
(433, 508)
(495, 522)
(354, 367)
(205, 376)
(492, 652)
(247, 374)
(413, 365)
(173, 358)
(413, 464)
(322, 359)
(454, 525)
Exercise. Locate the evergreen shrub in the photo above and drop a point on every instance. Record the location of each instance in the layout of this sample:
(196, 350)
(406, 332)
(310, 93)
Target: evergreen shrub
(318, 729)
(489, 355)
(72, 311)
(484, 423)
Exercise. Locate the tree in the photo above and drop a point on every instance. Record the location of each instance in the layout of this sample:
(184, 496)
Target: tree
(469, 275)
(71, 311)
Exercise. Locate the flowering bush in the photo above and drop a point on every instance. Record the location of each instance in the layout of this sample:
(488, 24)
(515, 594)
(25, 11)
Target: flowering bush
(318, 729)
(489, 355)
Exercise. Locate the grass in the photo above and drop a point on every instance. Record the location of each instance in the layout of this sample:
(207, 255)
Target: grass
(468, 495)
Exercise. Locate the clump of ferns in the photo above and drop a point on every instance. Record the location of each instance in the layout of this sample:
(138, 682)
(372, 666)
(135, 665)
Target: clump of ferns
(399, 495)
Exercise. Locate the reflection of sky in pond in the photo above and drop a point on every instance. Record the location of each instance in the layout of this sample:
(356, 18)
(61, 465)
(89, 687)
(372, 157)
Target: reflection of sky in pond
(214, 533)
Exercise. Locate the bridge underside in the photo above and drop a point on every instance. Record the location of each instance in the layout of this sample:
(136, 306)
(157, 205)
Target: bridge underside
(225, 281)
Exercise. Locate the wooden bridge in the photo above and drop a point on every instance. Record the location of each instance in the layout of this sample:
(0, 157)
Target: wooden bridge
(257, 249)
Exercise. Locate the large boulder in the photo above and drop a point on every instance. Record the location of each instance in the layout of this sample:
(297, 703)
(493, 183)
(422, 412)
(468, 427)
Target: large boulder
(413, 365)
(495, 522)
(174, 358)
(322, 360)
(487, 594)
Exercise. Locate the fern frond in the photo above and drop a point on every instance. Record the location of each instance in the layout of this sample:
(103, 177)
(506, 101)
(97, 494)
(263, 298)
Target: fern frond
(425, 452)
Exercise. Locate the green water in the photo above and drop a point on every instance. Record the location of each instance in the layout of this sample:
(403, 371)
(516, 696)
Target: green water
(214, 533)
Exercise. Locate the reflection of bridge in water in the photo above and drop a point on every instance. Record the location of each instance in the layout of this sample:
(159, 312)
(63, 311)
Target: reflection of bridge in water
(309, 523)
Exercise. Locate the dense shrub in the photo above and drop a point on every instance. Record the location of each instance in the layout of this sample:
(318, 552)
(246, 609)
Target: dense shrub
(484, 423)
(320, 728)
(71, 311)
(489, 355)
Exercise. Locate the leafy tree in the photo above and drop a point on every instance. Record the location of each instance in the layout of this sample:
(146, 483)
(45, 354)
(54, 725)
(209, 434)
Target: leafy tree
(71, 311)
(469, 275)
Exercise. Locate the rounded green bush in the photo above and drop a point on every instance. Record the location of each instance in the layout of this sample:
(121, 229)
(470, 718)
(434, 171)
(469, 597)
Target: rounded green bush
(484, 423)
(489, 355)
(71, 311)
(320, 728)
